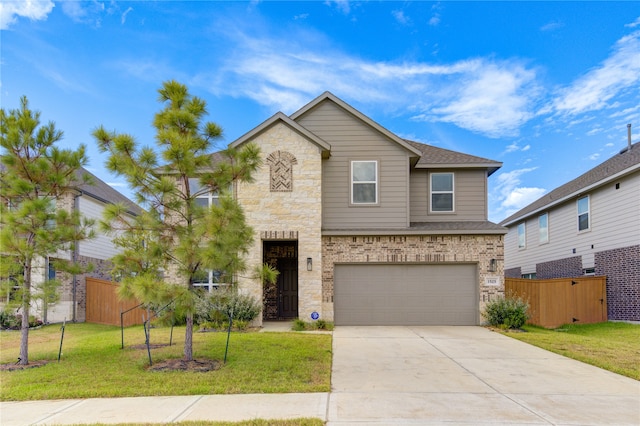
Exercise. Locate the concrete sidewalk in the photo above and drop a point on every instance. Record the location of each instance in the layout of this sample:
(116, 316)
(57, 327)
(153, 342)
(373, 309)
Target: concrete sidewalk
(164, 409)
(395, 376)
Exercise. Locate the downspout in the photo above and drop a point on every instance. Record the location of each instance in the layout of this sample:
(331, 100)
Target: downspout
(74, 259)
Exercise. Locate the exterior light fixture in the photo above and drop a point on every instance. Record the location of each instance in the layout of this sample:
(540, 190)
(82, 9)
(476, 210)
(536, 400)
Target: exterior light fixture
(493, 265)
(309, 264)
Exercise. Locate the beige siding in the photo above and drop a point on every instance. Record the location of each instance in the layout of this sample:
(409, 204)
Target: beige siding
(615, 223)
(100, 247)
(351, 139)
(470, 192)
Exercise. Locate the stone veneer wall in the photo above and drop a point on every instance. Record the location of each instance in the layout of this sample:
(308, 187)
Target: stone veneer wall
(561, 268)
(622, 268)
(286, 215)
(478, 249)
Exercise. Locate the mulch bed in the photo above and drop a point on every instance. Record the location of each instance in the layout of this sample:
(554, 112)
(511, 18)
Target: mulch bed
(14, 367)
(197, 365)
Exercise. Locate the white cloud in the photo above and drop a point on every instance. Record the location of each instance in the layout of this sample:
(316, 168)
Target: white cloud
(34, 10)
(495, 100)
(617, 73)
(554, 25)
(510, 195)
(85, 12)
(342, 5)
(594, 157)
(634, 24)
(484, 95)
(123, 18)
(400, 17)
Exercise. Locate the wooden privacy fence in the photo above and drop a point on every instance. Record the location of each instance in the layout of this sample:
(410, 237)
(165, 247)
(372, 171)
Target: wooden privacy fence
(104, 306)
(554, 302)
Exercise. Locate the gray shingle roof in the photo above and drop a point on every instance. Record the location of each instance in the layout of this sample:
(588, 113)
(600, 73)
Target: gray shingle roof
(434, 157)
(597, 176)
(105, 193)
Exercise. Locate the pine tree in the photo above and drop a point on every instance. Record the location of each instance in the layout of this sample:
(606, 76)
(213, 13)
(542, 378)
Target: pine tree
(177, 239)
(35, 175)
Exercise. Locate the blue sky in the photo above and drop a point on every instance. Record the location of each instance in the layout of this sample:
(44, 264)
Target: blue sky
(547, 88)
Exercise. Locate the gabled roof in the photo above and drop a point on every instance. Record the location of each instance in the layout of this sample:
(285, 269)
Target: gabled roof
(626, 162)
(433, 158)
(102, 192)
(351, 110)
(280, 117)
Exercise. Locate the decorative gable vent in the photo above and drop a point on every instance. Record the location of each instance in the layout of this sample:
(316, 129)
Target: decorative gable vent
(281, 171)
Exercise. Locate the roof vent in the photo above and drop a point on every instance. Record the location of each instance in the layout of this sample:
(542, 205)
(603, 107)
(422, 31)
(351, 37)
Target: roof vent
(628, 148)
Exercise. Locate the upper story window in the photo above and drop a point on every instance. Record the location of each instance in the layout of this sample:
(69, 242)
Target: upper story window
(522, 235)
(204, 198)
(442, 186)
(543, 228)
(583, 214)
(364, 182)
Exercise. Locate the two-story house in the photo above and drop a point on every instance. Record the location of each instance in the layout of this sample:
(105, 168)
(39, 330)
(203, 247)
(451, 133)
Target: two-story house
(90, 200)
(365, 227)
(588, 226)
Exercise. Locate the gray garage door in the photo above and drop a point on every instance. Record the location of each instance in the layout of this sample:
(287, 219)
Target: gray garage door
(405, 295)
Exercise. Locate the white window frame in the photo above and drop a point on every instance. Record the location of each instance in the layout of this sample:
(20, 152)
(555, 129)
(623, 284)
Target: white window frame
(213, 198)
(522, 235)
(588, 213)
(210, 284)
(543, 232)
(452, 192)
(360, 182)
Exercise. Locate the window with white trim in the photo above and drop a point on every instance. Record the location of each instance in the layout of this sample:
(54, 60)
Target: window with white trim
(204, 197)
(583, 213)
(210, 280)
(522, 235)
(442, 187)
(364, 182)
(543, 228)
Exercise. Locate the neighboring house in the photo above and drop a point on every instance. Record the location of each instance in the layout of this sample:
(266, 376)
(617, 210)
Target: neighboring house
(589, 226)
(366, 227)
(89, 200)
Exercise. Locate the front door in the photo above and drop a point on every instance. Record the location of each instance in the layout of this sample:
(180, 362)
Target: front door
(281, 299)
(288, 288)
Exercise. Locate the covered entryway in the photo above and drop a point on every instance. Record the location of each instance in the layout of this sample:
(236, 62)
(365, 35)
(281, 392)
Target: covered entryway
(281, 299)
(406, 294)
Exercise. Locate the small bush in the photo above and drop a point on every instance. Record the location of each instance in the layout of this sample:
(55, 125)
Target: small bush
(299, 325)
(9, 321)
(219, 305)
(507, 312)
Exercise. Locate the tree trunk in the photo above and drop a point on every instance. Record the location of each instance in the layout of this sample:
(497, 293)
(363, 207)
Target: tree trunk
(188, 339)
(26, 303)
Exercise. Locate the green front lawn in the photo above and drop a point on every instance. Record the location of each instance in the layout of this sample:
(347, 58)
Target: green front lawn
(94, 365)
(614, 346)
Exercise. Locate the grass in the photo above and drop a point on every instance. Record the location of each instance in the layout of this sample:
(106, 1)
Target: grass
(614, 346)
(92, 354)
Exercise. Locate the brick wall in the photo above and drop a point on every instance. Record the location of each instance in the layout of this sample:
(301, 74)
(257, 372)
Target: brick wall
(622, 269)
(513, 272)
(562, 268)
(478, 249)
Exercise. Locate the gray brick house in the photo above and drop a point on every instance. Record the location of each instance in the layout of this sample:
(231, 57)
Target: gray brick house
(366, 227)
(588, 226)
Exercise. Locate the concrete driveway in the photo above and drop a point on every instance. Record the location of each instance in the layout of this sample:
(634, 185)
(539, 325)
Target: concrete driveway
(468, 375)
